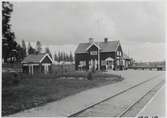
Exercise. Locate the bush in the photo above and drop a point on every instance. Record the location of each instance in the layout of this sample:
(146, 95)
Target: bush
(89, 75)
(10, 79)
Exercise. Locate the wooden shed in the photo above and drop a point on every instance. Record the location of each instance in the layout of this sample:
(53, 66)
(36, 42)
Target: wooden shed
(37, 63)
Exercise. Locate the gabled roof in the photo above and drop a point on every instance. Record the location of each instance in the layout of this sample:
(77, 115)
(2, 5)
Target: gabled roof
(35, 58)
(92, 45)
(109, 46)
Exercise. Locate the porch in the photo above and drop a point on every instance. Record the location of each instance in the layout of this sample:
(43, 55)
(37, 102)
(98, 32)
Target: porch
(36, 68)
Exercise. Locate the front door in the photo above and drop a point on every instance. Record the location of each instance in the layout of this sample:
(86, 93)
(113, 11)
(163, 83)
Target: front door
(46, 69)
(110, 65)
(93, 64)
(31, 69)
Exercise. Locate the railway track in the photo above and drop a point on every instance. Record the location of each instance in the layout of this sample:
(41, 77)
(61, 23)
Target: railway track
(131, 106)
(94, 108)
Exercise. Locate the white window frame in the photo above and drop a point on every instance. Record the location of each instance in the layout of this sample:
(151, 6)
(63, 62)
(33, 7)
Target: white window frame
(46, 67)
(118, 63)
(83, 63)
(93, 53)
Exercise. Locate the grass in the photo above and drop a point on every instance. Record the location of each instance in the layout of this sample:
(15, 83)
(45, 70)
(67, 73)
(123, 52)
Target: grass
(32, 91)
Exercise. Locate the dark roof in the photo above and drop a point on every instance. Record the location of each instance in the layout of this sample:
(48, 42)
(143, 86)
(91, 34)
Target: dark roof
(109, 46)
(33, 58)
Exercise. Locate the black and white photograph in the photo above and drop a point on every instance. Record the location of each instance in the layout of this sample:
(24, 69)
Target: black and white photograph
(83, 58)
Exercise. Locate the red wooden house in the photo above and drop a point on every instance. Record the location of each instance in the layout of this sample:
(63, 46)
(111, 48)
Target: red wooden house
(99, 55)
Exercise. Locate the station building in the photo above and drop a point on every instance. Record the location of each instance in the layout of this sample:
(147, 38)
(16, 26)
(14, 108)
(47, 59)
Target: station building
(99, 55)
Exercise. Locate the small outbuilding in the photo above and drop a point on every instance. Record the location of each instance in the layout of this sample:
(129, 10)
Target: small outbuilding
(37, 63)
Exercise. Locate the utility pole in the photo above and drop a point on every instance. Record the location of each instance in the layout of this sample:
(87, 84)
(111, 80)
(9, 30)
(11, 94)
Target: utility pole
(98, 57)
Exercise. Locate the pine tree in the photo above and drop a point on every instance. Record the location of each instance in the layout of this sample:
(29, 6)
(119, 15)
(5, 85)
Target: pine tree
(48, 51)
(20, 51)
(38, 47)
(59, 56)
(24, 49)
(31, 50)
(71, 57)
(8, 43)
(64, 56)
(55, 57)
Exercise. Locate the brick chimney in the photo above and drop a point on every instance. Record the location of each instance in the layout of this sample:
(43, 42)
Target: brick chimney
(91, 40)
(105, 40)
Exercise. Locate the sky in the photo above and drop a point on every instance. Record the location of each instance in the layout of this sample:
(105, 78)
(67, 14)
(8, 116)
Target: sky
(139, 26)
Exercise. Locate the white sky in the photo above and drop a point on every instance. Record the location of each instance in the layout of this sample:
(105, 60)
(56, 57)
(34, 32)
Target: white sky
(140, 26)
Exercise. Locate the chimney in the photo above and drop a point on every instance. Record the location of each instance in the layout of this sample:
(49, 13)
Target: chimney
(105, 40)
(91, 40)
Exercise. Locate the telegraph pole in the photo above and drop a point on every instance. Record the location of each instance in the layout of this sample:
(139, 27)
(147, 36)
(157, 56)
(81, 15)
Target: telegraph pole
(98, 57)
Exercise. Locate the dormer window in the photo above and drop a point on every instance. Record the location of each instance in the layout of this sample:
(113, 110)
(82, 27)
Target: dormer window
(118, 53)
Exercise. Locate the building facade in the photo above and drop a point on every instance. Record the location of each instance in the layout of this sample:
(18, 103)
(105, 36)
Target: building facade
(99, 55)
(37, 63)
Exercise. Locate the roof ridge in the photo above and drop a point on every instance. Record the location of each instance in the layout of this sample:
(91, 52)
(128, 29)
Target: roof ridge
(106, 46)
(38, 54)
(100, 42)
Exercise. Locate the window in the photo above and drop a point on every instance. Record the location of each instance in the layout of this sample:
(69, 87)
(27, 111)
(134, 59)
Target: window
(45, 68)
(124, 63)
(103, 62)
(83, 63)
(93, 53)
(118, 53)
(117, 62)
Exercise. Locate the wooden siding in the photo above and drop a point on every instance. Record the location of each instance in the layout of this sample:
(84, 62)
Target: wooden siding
(81, 57)
(87, 57)
(46, 60)
(38, 68)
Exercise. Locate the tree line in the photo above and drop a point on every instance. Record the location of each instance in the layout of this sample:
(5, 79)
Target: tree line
(63, 56)
(31, 50)
(9, 45)
(12, 52)
(58, 56)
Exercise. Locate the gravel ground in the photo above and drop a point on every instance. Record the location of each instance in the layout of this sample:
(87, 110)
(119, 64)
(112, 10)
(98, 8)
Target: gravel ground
(116, 105)
(132, 112)
(155, 108)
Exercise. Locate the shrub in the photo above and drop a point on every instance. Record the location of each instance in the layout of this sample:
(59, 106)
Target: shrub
(10, 79)
(89, 75)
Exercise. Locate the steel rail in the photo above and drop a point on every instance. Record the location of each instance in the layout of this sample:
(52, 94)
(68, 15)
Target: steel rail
(127, 109)
(106, 99)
